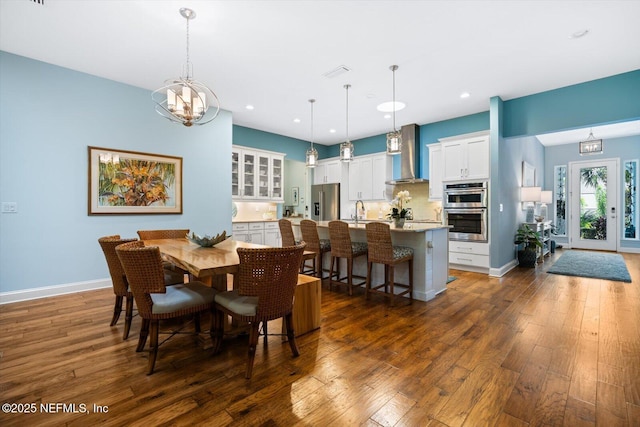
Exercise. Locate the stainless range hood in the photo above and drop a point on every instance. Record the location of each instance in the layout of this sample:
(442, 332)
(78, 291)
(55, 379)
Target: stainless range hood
(409, 156)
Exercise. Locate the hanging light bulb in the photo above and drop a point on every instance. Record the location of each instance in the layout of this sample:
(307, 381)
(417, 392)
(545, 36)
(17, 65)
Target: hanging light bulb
(184, 100)
(394, 139)
(346, 148)
(312, 153)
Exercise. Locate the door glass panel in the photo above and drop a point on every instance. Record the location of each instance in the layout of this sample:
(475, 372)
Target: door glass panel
(263, 171)
(248, 175)
(235, 174)
(631, 199)
(560, 207)
(593, 203)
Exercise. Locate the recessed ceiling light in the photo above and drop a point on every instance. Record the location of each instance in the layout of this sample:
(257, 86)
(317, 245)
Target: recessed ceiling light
(332, 131)
(578, 34)
(249, 107)
(465, 95)
(387, 107)
(296, 120)
(387, 116)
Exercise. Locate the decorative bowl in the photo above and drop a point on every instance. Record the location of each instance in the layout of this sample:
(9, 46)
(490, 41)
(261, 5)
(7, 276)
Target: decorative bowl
(538, 218)
(207, 241)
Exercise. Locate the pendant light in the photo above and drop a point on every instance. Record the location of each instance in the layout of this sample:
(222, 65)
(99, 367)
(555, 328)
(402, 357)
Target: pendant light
(394, 139)
(346, 148)
(312, 153)
(591, 145)
(184, 100)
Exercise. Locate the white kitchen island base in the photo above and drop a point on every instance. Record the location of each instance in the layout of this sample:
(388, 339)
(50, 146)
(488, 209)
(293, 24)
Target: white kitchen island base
(430, 243)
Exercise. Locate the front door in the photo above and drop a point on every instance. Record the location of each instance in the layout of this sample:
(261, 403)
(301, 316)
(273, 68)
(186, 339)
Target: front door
(594, 204)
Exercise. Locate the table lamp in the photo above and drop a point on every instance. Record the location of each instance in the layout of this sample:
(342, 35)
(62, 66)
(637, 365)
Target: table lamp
(529, 196)
(546, 197)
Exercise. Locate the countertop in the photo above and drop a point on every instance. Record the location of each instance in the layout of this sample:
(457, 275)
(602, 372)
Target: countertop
(409, 226)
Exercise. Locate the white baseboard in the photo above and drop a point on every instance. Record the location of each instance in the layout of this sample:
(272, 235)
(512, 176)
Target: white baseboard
(630, 250)
(499, 272)
(50, 291)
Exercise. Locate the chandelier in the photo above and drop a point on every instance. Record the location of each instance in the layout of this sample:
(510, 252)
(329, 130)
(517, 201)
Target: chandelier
(346, 148)
(591, 145)
(312, 153)
(394, 139)
(185, 100)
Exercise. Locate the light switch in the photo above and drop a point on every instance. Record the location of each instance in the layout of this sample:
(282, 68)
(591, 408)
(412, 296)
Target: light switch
(9, 207)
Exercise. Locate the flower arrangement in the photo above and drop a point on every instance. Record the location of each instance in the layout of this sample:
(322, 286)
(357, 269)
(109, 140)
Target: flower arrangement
(397, 205)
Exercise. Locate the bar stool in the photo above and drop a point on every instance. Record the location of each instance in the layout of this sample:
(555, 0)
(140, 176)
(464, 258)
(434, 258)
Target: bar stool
(343, 247)
(309, 230)
(288, 239)
(381, 251)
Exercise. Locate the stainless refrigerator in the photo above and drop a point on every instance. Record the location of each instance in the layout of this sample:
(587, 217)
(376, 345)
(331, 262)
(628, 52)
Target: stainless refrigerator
(325, 202)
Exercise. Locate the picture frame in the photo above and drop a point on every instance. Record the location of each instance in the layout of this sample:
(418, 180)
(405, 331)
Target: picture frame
(112, 173)
(295, 192)
(528, 175)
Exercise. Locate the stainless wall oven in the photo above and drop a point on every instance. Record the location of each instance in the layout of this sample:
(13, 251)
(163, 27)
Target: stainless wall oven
(465, 206)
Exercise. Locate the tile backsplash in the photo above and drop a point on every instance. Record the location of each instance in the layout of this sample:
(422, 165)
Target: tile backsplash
(420, 205)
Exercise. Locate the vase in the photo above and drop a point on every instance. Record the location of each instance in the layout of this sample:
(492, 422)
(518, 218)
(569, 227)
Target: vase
(398, 222)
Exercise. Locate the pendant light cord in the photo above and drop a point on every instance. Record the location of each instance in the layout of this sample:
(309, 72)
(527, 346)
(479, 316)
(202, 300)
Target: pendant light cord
(347, 90)
(393, 70)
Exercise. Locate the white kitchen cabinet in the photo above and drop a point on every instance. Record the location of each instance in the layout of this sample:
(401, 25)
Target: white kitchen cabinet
(251, 232)
(465, 158)
(272, 234)
(256, 174)
(435, 171)
(367, 177)
(327, 171)
(471, 256)
(270, 178)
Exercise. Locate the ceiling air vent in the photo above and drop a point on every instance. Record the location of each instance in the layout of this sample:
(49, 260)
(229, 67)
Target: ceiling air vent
(38, 1)
(337, 71)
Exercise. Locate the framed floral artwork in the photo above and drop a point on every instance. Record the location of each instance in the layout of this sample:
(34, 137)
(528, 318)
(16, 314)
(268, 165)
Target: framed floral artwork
(125, 182)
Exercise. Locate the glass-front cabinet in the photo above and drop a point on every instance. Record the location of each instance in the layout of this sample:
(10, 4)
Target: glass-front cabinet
(256, 174)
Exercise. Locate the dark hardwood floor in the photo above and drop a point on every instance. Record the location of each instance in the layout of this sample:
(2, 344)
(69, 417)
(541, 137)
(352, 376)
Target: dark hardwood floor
(527, 349)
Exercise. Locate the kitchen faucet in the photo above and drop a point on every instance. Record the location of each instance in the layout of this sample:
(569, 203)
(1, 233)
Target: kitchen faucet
(362, 203)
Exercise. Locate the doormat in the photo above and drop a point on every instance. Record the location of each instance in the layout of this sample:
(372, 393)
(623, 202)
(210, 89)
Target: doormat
(597, 265)
(451, 279)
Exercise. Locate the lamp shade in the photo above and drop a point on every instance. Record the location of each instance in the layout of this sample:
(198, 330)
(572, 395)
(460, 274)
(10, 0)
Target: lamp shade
(546, 197)
(530, 194)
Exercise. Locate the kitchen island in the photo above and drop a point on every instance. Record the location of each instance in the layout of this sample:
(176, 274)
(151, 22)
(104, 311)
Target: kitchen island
(430, 243)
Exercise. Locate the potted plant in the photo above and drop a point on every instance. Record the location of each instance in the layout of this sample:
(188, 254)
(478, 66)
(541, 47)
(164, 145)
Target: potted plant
(398, 211)
(528, 242)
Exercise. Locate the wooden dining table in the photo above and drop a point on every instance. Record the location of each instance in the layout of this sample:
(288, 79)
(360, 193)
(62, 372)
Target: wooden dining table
(207, 265)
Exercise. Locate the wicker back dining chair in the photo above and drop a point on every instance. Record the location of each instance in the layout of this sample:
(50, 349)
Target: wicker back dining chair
(382, 251)
(343, 247)
(118, 280)
(177, 233)
(309, 230)
(145, 274)
(267, 279)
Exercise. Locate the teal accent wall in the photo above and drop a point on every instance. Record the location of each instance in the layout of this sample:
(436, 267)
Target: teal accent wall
(295, 149)
(608, 100)
(48, 117)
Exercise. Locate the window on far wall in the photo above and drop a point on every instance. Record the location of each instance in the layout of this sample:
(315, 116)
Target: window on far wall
(631, 199)
(560, 198)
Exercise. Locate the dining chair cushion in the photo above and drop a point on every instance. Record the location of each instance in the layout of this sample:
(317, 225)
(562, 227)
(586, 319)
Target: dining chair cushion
(325, 245)
(180, 297)
(243, 305)
(358, 248)
(401, 252)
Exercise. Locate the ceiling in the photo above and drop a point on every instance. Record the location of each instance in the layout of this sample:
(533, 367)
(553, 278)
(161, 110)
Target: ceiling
(274, 54)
